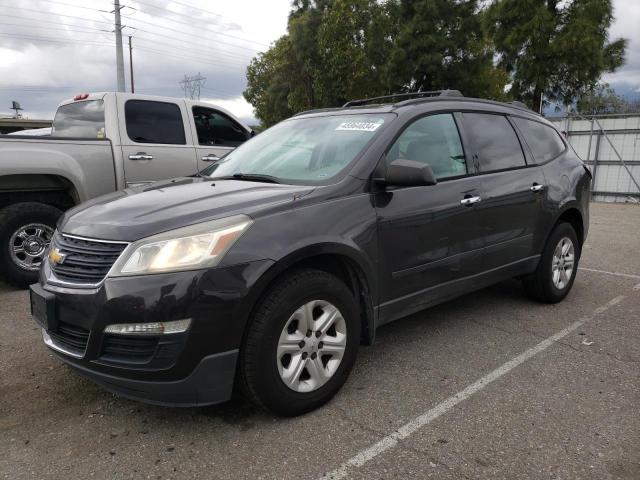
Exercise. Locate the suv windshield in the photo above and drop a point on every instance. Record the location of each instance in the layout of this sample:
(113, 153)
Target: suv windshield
(306, 151)
(80, 119)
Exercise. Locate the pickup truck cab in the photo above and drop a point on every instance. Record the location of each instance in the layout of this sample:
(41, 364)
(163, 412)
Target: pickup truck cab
(99, 143)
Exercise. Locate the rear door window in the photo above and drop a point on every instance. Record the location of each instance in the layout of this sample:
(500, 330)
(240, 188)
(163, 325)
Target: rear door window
(433, 140)
(216, 128)
(154, 122)
(545, 143)
(80, 119)
(495, 142)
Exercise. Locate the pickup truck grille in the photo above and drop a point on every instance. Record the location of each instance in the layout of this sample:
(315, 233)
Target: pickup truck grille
(85, 261)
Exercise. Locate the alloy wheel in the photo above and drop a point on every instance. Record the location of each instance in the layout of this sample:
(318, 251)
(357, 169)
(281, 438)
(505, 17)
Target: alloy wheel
(311, 346)
(563, 263)
(28, 245)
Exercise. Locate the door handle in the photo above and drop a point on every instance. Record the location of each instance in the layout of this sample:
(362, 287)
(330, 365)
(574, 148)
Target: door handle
(210, 158)
(467, 201)
(536, 187)
(140, 156)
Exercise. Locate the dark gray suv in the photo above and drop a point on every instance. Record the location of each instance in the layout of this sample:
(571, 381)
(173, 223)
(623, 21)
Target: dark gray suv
(269, 269)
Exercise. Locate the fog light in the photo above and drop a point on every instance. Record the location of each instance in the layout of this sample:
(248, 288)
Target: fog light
(153, 328)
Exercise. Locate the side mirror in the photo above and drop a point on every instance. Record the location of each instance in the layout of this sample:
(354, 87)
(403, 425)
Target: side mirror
(409, 173)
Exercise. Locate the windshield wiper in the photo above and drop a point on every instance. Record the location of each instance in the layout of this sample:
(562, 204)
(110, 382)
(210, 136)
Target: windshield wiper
(249, 177)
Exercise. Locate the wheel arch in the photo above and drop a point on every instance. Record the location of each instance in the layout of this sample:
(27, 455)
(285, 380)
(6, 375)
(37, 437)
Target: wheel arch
(340, 260)
(572, 215)
(52, 189)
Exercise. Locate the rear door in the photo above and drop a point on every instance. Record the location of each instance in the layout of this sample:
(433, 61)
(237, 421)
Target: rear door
(216, 134)
(429, 236)
(155, 143)
(514, 189)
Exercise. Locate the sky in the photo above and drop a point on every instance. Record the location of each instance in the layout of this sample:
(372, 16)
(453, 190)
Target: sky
(51, 50)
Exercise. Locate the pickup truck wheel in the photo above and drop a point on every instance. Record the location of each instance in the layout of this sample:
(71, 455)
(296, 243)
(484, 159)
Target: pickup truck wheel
(25, 233)
(301, 344)
(556, 272)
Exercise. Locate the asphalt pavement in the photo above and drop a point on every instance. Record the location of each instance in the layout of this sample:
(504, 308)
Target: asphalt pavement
(488, 386)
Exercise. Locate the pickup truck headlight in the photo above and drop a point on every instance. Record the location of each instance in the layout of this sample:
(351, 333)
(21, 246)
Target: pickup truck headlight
(196, 246)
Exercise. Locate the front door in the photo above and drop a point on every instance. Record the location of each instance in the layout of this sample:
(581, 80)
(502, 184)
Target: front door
(430, 237)
(217, 134)
(514, 190)
(155, 145)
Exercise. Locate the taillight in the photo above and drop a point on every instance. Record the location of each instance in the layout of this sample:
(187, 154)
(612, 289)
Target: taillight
(81, 96)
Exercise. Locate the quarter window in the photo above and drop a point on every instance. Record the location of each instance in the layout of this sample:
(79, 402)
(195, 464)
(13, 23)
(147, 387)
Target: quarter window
(433, 140)
(215, 128)
(154, 122)
(495, 141)
(544, 141)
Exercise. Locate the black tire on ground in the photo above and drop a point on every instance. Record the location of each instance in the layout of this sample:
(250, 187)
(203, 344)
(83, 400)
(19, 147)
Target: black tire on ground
(539, 285)
(12, 218)
(258, 376)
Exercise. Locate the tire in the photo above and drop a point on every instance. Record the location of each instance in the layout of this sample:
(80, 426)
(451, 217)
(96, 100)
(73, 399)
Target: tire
(13, 220)
(540, 285)
(262, 363)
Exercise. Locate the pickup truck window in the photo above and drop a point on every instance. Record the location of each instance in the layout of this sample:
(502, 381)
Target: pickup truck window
(215, 128)
(80, 119)
(154, 122)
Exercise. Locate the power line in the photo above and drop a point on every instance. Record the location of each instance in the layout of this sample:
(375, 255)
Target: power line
(93, 31)
(199, 37)
(54, 40)
(190, 24)
(159, 26)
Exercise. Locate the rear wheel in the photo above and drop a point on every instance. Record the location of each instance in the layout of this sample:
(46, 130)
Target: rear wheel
(301, 344)
(556, 272)
(25, 233)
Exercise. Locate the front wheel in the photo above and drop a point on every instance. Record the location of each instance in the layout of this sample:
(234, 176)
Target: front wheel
(556, 272)
(301, 343)
(25, 233)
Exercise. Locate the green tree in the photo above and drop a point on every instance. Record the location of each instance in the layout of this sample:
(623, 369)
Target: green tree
(441, 44)
(354, 41)
(600, 100)
(554, 49)
(269, 83)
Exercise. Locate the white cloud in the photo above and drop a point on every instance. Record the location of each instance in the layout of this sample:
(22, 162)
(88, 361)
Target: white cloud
(172, 38)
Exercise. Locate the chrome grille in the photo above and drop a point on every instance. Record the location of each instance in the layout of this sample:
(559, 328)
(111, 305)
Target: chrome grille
(85, 261)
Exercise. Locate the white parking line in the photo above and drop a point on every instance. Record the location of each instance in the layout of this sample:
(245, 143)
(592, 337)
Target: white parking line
(414, 425)
(617, 274)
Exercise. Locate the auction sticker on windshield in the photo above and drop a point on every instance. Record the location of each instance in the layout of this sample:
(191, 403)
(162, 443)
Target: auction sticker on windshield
(359, 126)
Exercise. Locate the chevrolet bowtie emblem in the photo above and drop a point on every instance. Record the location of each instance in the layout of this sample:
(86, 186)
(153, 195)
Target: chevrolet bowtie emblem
(56, 257)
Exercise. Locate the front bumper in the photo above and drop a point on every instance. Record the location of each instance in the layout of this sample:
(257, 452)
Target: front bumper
(196, 367)
(210, 382)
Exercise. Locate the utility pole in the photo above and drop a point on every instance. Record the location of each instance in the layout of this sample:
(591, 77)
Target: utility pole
(119, 57)
(131, 64)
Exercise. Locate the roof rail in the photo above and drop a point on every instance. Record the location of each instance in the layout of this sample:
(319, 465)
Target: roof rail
(516, 103)
(404, 96)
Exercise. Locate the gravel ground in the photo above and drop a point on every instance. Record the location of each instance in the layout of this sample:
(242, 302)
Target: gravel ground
(569, 411)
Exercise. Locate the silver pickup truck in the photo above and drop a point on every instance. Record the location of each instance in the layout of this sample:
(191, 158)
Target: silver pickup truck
(100, 142)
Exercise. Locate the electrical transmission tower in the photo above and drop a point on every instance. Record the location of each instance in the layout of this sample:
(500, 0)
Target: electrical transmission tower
(192, 85)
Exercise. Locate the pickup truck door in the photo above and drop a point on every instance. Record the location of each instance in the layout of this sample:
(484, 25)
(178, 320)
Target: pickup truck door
(155, 140)
(215, 134)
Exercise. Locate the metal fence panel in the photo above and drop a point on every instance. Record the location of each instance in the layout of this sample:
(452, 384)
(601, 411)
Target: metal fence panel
(610, 145)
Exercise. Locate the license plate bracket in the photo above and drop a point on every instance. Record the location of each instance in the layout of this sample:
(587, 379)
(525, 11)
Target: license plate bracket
(43, 307)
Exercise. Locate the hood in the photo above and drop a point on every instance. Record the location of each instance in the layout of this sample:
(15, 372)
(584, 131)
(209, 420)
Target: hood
(135, 213)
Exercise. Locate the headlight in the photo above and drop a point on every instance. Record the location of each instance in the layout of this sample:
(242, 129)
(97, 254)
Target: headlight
(195, 246)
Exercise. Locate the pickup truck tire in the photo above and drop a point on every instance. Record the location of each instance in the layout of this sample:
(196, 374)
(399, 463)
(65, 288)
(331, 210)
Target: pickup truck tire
(308, 322)
(25, 232)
